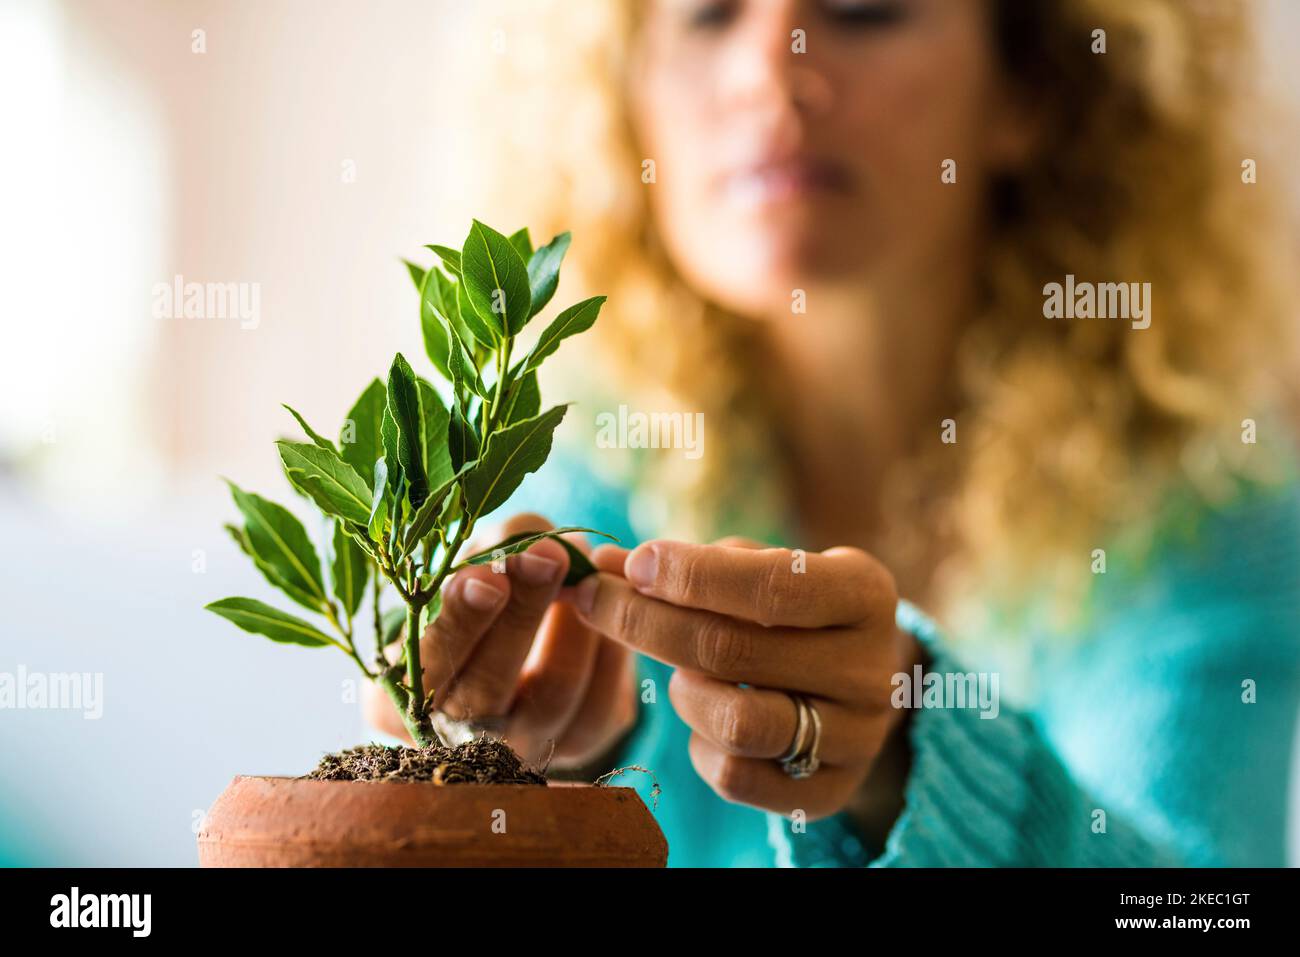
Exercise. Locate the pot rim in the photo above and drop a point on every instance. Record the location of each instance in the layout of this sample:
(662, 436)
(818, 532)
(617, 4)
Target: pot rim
(465, 785)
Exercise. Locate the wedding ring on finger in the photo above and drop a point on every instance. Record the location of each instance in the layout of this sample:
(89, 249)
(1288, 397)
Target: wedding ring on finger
(801, 760)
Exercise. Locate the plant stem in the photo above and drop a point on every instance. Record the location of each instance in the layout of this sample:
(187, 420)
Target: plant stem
(444, 567)
(493, 408)
(352, 653)
(380, 660)
(392, 574)
(420, 729)
(411, 700)
(414, 670)
(346, 646)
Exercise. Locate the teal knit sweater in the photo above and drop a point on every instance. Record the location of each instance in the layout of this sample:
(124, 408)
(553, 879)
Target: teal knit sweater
(1159, 732)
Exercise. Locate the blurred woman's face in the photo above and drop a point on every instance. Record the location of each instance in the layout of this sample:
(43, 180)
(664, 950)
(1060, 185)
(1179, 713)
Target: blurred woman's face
(776, 169)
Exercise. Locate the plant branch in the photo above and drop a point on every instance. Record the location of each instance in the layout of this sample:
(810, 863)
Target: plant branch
(444, 568)
(420, 729)
(414, 670)
(352, 653)
(380, 660)
(503, 370)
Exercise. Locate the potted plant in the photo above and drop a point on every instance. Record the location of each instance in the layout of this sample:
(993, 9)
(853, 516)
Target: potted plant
(400, 494)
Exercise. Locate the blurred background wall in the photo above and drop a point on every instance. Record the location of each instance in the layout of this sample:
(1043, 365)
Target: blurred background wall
(304, 147)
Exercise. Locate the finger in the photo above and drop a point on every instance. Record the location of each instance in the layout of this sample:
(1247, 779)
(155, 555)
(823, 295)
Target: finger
(608, 710)
(485, 684)
(610, 558)
(761, 723)
(471, 602)
(771, 586)
(823, 662)
(519, 523)
(739, 541)
(554, 680)
(762, 784)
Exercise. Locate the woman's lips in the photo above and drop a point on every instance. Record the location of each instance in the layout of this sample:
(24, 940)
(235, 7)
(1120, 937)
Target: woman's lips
(784, 181)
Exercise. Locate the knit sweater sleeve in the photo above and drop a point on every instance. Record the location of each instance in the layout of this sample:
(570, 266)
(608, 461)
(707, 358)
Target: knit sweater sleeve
(980, 793)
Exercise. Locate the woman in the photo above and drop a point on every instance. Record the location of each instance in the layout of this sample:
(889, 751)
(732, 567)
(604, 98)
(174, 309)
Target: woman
(833, 227)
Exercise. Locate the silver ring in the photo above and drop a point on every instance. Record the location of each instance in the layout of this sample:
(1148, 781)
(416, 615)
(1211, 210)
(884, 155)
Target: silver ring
(801, 761)
(802, 721)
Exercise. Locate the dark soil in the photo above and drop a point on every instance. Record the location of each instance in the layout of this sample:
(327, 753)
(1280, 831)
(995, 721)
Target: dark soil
(481, 761)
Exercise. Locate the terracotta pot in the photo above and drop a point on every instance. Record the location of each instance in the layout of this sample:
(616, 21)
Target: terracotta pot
(287, 822)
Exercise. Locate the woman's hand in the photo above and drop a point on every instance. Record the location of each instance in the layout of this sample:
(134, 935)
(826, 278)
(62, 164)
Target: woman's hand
(746, 627)
(502, 649)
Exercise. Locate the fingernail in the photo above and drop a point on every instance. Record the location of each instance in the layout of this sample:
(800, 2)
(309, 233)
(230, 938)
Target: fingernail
(642, 567)
(584, 596)
(537, 569)
(481, 596)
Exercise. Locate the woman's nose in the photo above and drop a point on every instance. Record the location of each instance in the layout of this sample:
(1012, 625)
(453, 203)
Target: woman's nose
(770, 66)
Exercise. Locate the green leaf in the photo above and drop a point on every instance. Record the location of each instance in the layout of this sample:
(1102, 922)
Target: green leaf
(278, 539)
(453, 510)
(525, 399)
(392, 622)
(379, 502)
(522, 540)
(447, 302)
(404, 407)
(422, 523)
(509, 455)
(319, 440)
(580, 565)
(398, 509)
(523, 243)
(425, 517)
(260, 618)
(429, 614)
(432, 324)
(450, 257)
(440, 293)
(464, 374)
(349, 570)
(270, 573)
(495, 278)
(437, 456)
(480, 329)
(241, 539)
(417, 273)
(388, 438)
(577, 318)
(544, 271)
(359, 439)
(462, 440)
(330, 482)
(440, 314)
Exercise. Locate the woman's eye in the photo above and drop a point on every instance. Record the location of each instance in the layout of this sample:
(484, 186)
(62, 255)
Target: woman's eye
(711, 15)
(866, 13)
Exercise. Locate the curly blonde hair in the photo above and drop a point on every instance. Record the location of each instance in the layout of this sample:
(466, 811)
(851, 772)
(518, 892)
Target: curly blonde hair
(1069, 431)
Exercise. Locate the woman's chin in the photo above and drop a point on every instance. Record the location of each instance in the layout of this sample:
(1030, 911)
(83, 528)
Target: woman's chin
(785, 279)
(808, 255)
(773, 274)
